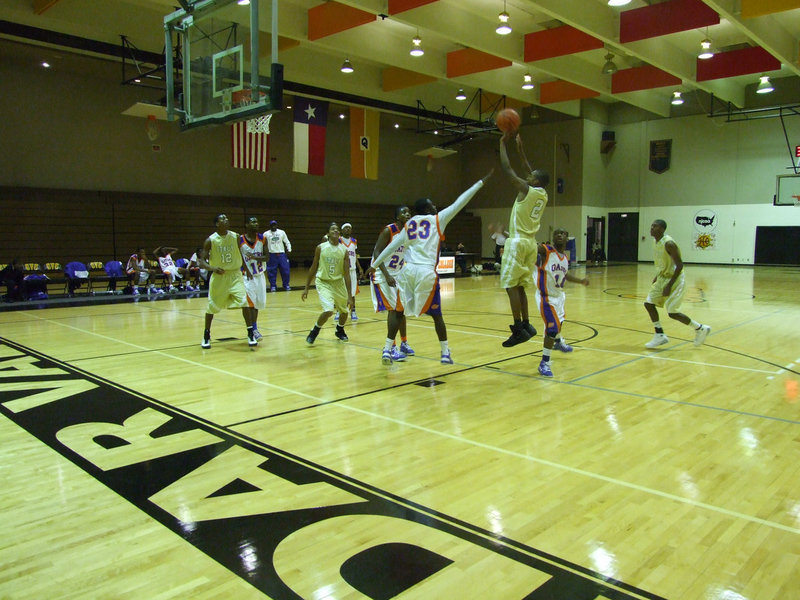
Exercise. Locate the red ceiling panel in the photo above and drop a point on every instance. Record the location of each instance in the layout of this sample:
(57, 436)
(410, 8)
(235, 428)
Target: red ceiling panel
(468, 61)
(558, 41)
(398, 6)
(736, 62)
(665, 18)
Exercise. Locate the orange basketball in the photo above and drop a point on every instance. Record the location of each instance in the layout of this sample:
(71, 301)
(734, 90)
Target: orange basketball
(507, 120)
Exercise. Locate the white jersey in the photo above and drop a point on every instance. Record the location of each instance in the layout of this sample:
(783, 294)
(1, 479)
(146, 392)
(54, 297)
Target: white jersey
(424, 233)
(166, 263)
(351, 245)
(277, 242)
(256, 267)
(552, 273)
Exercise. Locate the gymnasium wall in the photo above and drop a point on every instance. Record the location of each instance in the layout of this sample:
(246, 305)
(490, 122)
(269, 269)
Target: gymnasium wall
(48, 225)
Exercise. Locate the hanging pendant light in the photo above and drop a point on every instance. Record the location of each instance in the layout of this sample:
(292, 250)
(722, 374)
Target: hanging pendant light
(676, 98)
(416, 46)
(460, 95)
(610, 67)
(527, 82)
(764, 87)
(503, 28)
(346, 66)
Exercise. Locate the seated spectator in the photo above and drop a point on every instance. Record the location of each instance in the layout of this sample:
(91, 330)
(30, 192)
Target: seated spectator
(139, 274)
(199, 275)
(172, 272)
(13, 277)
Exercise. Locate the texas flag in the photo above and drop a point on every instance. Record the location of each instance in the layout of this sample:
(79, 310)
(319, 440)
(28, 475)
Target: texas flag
(310, 121)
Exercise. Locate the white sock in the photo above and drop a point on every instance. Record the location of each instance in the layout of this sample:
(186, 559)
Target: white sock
(694, 324)
(445, 347)
(387, 347)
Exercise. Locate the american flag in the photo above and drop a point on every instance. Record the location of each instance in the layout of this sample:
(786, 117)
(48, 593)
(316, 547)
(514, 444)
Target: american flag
(249, 150)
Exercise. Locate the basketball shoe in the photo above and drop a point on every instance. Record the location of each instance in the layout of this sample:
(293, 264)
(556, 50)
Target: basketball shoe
(544, 368)
(341, 335)
(659, 339)
(446, 358)
(701, 334)
(397, 355)
(386, 357)
(562, 346)
(406, 349)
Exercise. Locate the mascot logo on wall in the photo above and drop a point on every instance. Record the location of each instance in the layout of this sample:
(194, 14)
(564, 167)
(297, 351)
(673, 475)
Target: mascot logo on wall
(705, 224)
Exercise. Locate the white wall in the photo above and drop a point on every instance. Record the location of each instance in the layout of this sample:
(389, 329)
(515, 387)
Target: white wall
(726, 168)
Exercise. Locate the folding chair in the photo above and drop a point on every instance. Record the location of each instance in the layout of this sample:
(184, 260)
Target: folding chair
(77, 274)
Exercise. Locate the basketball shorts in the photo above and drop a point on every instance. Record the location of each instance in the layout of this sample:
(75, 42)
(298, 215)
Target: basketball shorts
(384, 296)
(226, 291)
(671, 303)
(419, 290)
(551, 307)
(173, 270)
(139, 277)
(519, 262)
(332, 295)
(256, 289)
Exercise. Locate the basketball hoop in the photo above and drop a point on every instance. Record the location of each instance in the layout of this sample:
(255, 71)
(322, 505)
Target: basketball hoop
(242, 98)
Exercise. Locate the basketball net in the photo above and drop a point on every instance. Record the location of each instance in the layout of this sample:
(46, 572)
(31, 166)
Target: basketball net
(259, 124)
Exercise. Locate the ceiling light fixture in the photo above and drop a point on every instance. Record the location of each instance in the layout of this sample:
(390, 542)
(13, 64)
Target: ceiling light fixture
(527, 83)
(416, 48)
(46, 65)
(243, 2)
(618, 2)
(504, 28)
(676, 98)
(764, 86)
(346, 66)
(705, 48)
(460, 95)
(609, 68)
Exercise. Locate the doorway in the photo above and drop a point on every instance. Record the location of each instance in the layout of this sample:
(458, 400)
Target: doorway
(595, 240)
(777, 246)
(623, 233)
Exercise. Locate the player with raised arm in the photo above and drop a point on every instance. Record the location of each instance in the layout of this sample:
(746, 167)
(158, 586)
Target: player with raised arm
(418, 280)
(519, 257)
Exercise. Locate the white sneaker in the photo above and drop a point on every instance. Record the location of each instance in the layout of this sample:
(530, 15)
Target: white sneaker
(659, 339)
(701, 334)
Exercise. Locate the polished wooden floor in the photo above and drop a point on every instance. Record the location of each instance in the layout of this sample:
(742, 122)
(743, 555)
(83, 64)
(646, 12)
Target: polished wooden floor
(137, 465)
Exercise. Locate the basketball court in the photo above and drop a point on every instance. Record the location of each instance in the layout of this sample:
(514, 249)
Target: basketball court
(137, 465)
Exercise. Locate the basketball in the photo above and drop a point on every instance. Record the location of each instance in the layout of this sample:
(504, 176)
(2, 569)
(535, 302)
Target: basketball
(507, 120)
